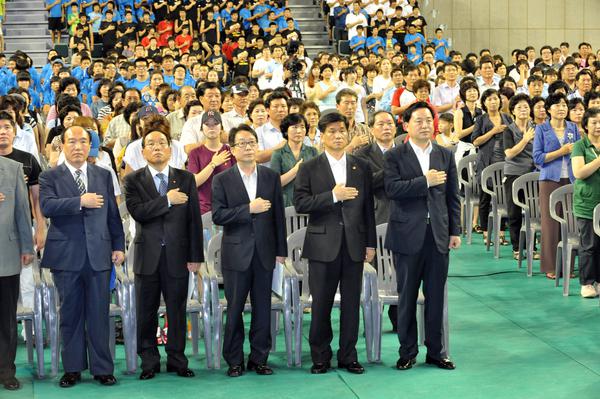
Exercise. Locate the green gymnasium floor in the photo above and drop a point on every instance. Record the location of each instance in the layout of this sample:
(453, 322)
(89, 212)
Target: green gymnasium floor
(511, 337)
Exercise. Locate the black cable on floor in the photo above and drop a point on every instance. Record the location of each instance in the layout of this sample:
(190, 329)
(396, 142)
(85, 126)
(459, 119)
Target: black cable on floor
(486, 275)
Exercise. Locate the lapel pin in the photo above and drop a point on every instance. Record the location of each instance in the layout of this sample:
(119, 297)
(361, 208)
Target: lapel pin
(353, 167)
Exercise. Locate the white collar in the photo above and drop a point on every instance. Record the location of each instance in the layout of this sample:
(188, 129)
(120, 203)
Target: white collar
(383, 148)
(154, 172)
(253, 174)
(418, 149)
(333, 161)
(73, 169)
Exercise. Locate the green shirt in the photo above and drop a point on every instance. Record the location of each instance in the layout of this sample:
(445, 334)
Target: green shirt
(282, 160)
(586, 192)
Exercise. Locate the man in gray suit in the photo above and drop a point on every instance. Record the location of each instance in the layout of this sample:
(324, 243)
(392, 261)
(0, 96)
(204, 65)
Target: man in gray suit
(16, 247)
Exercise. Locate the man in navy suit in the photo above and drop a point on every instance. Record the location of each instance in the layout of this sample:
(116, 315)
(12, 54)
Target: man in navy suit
(421, 183)
(84, 239)
(248, 202)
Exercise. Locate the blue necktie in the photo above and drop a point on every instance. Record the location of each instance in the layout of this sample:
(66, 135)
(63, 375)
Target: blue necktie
(162, 185)
(79, 182)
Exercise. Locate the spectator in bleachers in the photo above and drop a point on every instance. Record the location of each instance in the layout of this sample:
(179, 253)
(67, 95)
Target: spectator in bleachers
(576, 111)
(354, 19)
(176, 118)
(270, 137)
(357, 132)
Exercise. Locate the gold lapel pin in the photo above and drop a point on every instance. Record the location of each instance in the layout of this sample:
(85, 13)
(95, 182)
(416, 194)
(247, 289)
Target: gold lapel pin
(353, 167)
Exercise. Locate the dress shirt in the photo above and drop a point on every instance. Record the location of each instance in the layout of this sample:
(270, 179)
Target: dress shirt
(232, 119)
(83, 170)
(338, 169)
(444, 94)
(25, 141)
(422, 156)
(156, 179)
(250, 181)
(135, 158)
(191, 132)
(268, 137)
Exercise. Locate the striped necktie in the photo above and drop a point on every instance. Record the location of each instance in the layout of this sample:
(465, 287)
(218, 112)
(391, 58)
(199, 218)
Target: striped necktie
(79, 182)
(162, 185)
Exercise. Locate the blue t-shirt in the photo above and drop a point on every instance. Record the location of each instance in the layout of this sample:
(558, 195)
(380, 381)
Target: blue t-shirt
(244, 15)
(55, 11)
(419, 44)
(377, 40)
(440, 52)
(137, 84)
(263, 21)
(339, 20)
(360, 40)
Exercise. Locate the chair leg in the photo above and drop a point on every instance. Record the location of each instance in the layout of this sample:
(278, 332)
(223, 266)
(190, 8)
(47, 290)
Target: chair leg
(490, 232)
(522, 247)
(38, 320)
(287, 322)
(195, 332)
(470, 212)
(530, 245)
(208, 337)
(28, 325)
(112, 338)
(568, 255)
(497, 224)
(558, 263)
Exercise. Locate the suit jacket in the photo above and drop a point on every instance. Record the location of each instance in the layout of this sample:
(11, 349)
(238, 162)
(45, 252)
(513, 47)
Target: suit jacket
(243, 232)
(78, 233)
(15, 218)
(328, 221)
(374, 156)
(179, 227)
(412, 200)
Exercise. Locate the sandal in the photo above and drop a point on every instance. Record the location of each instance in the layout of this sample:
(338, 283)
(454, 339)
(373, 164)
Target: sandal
(477, 229)
(551, 276)
(503, 241)
(516, 255)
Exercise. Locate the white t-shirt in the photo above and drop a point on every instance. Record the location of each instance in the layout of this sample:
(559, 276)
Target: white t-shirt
(262, 65)
(135, 159)
(352, 18)
(191, 133)
(380, 84)
(407, 97)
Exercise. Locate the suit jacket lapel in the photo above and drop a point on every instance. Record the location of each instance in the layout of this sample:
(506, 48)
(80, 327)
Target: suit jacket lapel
(69, 181)
(351, 172)
(377, 155)
(327, 173)
(412, 159)
(237, 177)
(148, 183)
(173, 179)
(435, 159)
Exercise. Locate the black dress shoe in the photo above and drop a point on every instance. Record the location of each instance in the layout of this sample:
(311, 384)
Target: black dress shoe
(12, 384)
(150, 373)
(261, 369)
(405, 364)
(445, 363)
(352, 367)
(184, 372)
(235, 371)
(69, 379)
(320, 368)
(106, 380)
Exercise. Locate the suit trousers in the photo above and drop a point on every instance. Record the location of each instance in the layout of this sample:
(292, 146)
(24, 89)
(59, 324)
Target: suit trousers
(589, 253)
(431, 267)
(256, 281)
(147, 296)
(323, 281)
(84, 319)
(9, 296)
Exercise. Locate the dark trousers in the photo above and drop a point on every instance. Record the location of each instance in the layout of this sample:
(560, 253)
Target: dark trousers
(515, 216)
(589, 253)
(9, 295)
(256, 281)
(323, 281)
(84, 307)
(431, 267)
(147, 295)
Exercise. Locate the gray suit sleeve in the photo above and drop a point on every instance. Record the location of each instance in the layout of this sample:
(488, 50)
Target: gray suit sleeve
(23, 213)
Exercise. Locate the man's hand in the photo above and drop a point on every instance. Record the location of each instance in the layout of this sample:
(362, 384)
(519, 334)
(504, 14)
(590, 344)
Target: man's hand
(259, 205)
(280, 259)
(343, 193)
(26, 259)
(435, 177)
(369, 255)
(358, 141)
(91, 200)
(118, 257)
(177, 198)
(454, 242)
(193, 267)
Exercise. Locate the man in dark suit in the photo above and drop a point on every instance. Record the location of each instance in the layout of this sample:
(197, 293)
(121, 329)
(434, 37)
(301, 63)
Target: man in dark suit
(248, 202)
(420, 180)
(335, 190)
(84, 239)
(383, 129)
(168, 246)
(16, 247)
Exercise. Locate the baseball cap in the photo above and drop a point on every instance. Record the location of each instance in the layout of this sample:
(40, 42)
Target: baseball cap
(147, 110)
(239, 89)
(211, 116)
(94, 144)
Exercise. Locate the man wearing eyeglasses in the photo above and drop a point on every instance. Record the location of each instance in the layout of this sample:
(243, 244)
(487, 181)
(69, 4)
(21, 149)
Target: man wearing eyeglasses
(247, 201)
(335, 190)
(168, 246)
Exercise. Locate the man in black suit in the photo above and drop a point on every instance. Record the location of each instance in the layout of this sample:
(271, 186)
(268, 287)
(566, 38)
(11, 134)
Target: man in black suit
(84, 239)
(335, 190)
(248, 202)
(420, 180)
(383, 129)
(168, 246)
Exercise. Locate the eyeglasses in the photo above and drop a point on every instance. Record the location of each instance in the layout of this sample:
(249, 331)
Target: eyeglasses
(157, 144)
(246, 144)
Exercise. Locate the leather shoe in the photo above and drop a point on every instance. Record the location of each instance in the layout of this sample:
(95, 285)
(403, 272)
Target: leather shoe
(320, 368)
(445, 363)
(150, 373)
(405, 364)
(352, 367)
(106, 380)
(69, 379)
(235, 371)
(260, 369)
(184, 372)
(11, 384)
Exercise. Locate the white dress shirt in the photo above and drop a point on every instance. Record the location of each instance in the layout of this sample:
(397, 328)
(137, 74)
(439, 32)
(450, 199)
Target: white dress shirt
(268, 137)
(103, 161)
(338, 169)
(191, 133)
(444, 94)
(250, 182)
(83, 170)
(135, 159)
(25, 141)
(155, 172)
(422, 156)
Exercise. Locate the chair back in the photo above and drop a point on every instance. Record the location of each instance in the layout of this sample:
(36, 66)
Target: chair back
(596, 221)
(386, 273)
(529, 185)
(562, 198)
(294, 220)
(468, 164)
(213, 253)
(491, 183)
(295, 242)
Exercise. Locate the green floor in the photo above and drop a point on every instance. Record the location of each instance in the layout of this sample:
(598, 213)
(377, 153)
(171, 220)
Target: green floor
(511, 337)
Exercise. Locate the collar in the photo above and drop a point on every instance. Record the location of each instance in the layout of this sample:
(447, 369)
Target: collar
(383, 148)
(73, 169)
(253, 174)
(154, 172)
(418, 149)
(333, 161)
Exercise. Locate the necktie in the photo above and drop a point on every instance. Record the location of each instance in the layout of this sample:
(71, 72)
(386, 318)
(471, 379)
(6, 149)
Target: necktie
(79, 182)
(162, 185)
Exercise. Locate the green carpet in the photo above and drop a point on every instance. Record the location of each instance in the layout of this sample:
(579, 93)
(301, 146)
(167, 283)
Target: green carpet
(511, 337)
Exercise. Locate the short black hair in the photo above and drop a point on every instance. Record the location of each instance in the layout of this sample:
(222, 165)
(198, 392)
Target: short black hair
(554, 98)
(275, 95)
(5, 116)
(592, 95)
(346, 92)
(517, 99)
(589, 113)
(407, 114)
(291, 120)
(558, 84)
(488, 93)
(331, 117)
(69, 80)
(240, 128)
(464, 87)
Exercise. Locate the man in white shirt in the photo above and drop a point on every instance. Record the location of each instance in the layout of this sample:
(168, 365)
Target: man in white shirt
(209, 94)
(269, 134)
(237, 115)
(354, 19)
(262, 69)
(446, 96)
